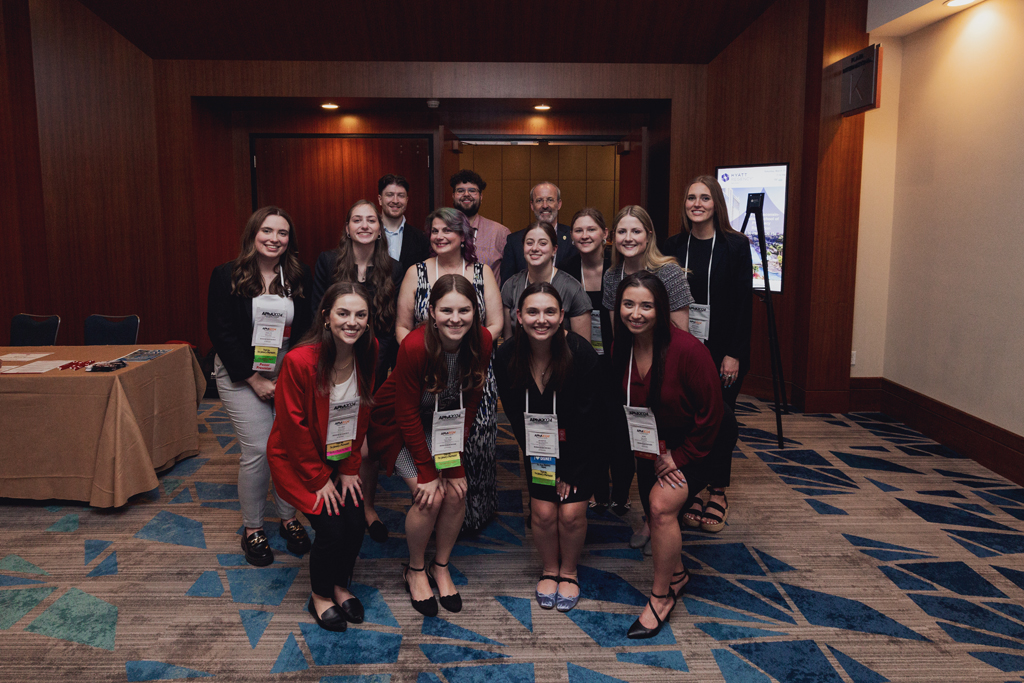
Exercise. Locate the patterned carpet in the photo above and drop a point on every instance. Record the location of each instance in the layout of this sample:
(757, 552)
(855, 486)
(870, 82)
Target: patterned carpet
(863, 552)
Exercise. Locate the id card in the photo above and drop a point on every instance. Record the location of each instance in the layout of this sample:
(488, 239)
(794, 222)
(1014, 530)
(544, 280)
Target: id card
(595, 332)
(643, 430)
(446, 443)
(700, 320)
(542, 435)
(341, 429)
(542, 470)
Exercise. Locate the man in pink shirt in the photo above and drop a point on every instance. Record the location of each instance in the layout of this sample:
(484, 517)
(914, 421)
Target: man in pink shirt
(489, 237)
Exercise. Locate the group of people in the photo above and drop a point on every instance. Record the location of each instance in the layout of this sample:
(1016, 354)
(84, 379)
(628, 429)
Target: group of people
(387, 356)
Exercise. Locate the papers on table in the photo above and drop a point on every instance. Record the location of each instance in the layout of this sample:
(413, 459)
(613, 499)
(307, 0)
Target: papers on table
(143, 355)
(38, 367)
(22, 357)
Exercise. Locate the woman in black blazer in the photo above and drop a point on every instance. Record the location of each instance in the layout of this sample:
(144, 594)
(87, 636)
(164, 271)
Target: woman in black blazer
(721, 277)
(258, 306)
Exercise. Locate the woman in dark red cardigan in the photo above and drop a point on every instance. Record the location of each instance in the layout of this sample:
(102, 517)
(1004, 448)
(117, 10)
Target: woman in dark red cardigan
(317, 443)
(667, 371)
(440, 369)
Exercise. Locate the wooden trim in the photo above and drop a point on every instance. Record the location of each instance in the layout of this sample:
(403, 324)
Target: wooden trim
(865, 394)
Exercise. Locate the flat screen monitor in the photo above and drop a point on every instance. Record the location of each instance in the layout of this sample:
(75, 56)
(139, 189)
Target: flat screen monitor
(739, 181)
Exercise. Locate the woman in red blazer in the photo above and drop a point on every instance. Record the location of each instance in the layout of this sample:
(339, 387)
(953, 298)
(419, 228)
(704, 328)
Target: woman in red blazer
(667, 379)
(440, 371)
(323, 402)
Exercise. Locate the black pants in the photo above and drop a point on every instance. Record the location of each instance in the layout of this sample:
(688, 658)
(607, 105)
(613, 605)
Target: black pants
(618, 458)
(699, 473)
(335, 548)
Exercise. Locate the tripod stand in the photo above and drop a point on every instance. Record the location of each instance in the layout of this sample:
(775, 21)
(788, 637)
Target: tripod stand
(755, 208)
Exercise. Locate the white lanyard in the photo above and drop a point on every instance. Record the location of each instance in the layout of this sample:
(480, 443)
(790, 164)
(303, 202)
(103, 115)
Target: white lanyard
(437, 268)
(447, 434)
(711, 258)
(700, 314)
(643, 429)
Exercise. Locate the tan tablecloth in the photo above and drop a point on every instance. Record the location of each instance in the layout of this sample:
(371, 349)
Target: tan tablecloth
(92, 436)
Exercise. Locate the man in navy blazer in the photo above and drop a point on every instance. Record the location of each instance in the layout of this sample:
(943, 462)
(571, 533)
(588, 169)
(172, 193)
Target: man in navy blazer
(406, 243)
(545, 201)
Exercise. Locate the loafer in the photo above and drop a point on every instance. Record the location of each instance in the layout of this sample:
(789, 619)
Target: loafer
(295, 536)
(332, 620)
(257, 548)
(352, 610)
(378, 532)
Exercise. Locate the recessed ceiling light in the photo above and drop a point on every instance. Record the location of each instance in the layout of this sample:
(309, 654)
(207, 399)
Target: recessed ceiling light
(957, 3)
(329, 105)
(542, 107)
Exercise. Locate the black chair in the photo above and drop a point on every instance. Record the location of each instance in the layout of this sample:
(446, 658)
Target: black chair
(34, 330)
(107, 330)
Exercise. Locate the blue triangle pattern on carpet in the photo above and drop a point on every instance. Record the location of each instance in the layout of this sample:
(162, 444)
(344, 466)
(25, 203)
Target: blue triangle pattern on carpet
(774, 566)
(867, 462)
(490, 673)
(171, 484)
(108, 567)
(15, 604)
(427, 677)
(579, 674)
(435, 626)
(1008, 544)
(445, 654)
(940, 514)
(609, 630)
(967, 613)
(822, 609)
(823, 508)
(766, 589)
(1013, 610)
(64, 525)
(375, 610)
(368, 678)
(664, 659)
(262, 586)
(520, 608)
(80, 618)
(185, 468)
(1000, 660)
(597, 584)
(719, 590)
(726, 558)
(699, 608)
(956, 576)
(905, 581)
(963, 635)
(93, 548)
(231, 560)
(800, 660)
(208, 585)
(17, 581)
(14, 563)
(290, 658)
(148, 670)
(208, 491)
(857, 672)
(891, 555)
(1013, 575)
(167, 527)
(184, 497)
(357, 646)
(255, 623)
(731, 632)
(735, 670)
(888, 488)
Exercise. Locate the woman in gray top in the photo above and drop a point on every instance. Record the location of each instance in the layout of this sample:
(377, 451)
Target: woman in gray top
(540, 243)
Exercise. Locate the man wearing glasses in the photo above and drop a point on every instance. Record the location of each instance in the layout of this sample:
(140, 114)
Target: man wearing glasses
(545, 202)
(489, 237)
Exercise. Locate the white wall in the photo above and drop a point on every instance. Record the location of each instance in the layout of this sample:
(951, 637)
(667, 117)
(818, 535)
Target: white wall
(954, 326)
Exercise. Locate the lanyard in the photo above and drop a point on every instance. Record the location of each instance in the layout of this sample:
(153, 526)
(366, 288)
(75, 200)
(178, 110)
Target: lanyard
(711, 258)
(550, 279)
(436, 400)
(629, 375)
(437, 268)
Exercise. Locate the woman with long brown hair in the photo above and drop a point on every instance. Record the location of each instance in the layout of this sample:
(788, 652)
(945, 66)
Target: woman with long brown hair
(362, 256)
(258, 304)
(421, 424)
(317, 444)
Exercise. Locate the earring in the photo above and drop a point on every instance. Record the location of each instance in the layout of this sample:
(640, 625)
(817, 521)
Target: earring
(435, 324)
(327, 325)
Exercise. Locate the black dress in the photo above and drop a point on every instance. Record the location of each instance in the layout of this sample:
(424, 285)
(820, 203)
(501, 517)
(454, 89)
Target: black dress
(581, 413)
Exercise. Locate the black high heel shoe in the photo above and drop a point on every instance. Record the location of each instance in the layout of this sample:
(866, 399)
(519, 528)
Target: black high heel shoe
(684, 576)
(638, 631)
(452, 603)
(427, 608)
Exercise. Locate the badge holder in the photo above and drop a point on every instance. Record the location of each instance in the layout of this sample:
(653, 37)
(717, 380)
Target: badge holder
(269, 330)
(542, 437)
(449, 428)
(643, 428)
(700, 314)
(341, 428)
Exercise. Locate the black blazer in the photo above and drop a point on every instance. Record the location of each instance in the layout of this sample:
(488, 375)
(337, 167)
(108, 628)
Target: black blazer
(415, 247)
(731, 294)
(513, 260)
(323, 278)
(229, 321)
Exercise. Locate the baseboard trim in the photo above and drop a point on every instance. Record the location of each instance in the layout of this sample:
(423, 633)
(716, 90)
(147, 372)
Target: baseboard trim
(996, 448)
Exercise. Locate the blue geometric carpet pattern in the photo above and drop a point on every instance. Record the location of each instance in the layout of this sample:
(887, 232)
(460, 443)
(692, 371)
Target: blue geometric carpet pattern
(862, 552)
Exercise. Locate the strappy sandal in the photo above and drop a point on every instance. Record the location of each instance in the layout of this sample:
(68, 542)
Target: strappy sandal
(717, 520)
(638, 631)
(428, 607)
(452, 603)
(547, 600)
(565, 603)
(694, 505)
(683, 576)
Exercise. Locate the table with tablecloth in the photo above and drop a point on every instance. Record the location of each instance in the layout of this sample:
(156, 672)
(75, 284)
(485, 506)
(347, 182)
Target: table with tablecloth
(99, 437)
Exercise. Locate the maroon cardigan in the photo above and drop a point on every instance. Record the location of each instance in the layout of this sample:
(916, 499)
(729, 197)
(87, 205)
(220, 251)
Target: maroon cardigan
(297, 446)
(395, 418)
(691, 398)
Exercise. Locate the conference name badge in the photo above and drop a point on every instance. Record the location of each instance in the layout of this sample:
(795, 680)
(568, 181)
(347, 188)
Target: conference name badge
(264, 358)
(542, 435)
(268, 330)
(595, 332)
(341, 429)
(643, 431)
(700, 320)
(651, 456)
(446, 444)
(542, 470)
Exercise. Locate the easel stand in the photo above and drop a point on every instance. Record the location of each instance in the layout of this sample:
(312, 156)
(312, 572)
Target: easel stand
(755, 206)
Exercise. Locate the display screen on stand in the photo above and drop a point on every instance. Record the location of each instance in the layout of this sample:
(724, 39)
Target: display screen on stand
(772, 179)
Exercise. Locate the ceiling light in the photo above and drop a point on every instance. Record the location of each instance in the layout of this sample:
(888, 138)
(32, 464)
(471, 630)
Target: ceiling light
(329, 105)
(433, 104)
(542, 107)
(957, 3)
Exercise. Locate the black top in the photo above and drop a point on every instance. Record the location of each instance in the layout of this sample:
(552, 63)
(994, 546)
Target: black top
(415, 248)
(581, 409)
(323, 278)
(229, 321)
(732, 286)
(574, 267)
(513, 260)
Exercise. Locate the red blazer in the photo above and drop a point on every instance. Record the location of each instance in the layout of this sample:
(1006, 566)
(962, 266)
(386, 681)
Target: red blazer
(298, 439)
(395, 418)
(691, 398)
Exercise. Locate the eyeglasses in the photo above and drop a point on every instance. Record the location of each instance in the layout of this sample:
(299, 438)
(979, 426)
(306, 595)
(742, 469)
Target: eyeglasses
(470, 191)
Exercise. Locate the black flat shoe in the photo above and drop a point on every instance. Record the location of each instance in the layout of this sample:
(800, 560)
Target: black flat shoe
(295, 535)
(427, 608)
(352, 610)
(452, 603)
(378, 532)
(620, 509)
(331, 619)
(638, 631)
(257, 548)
